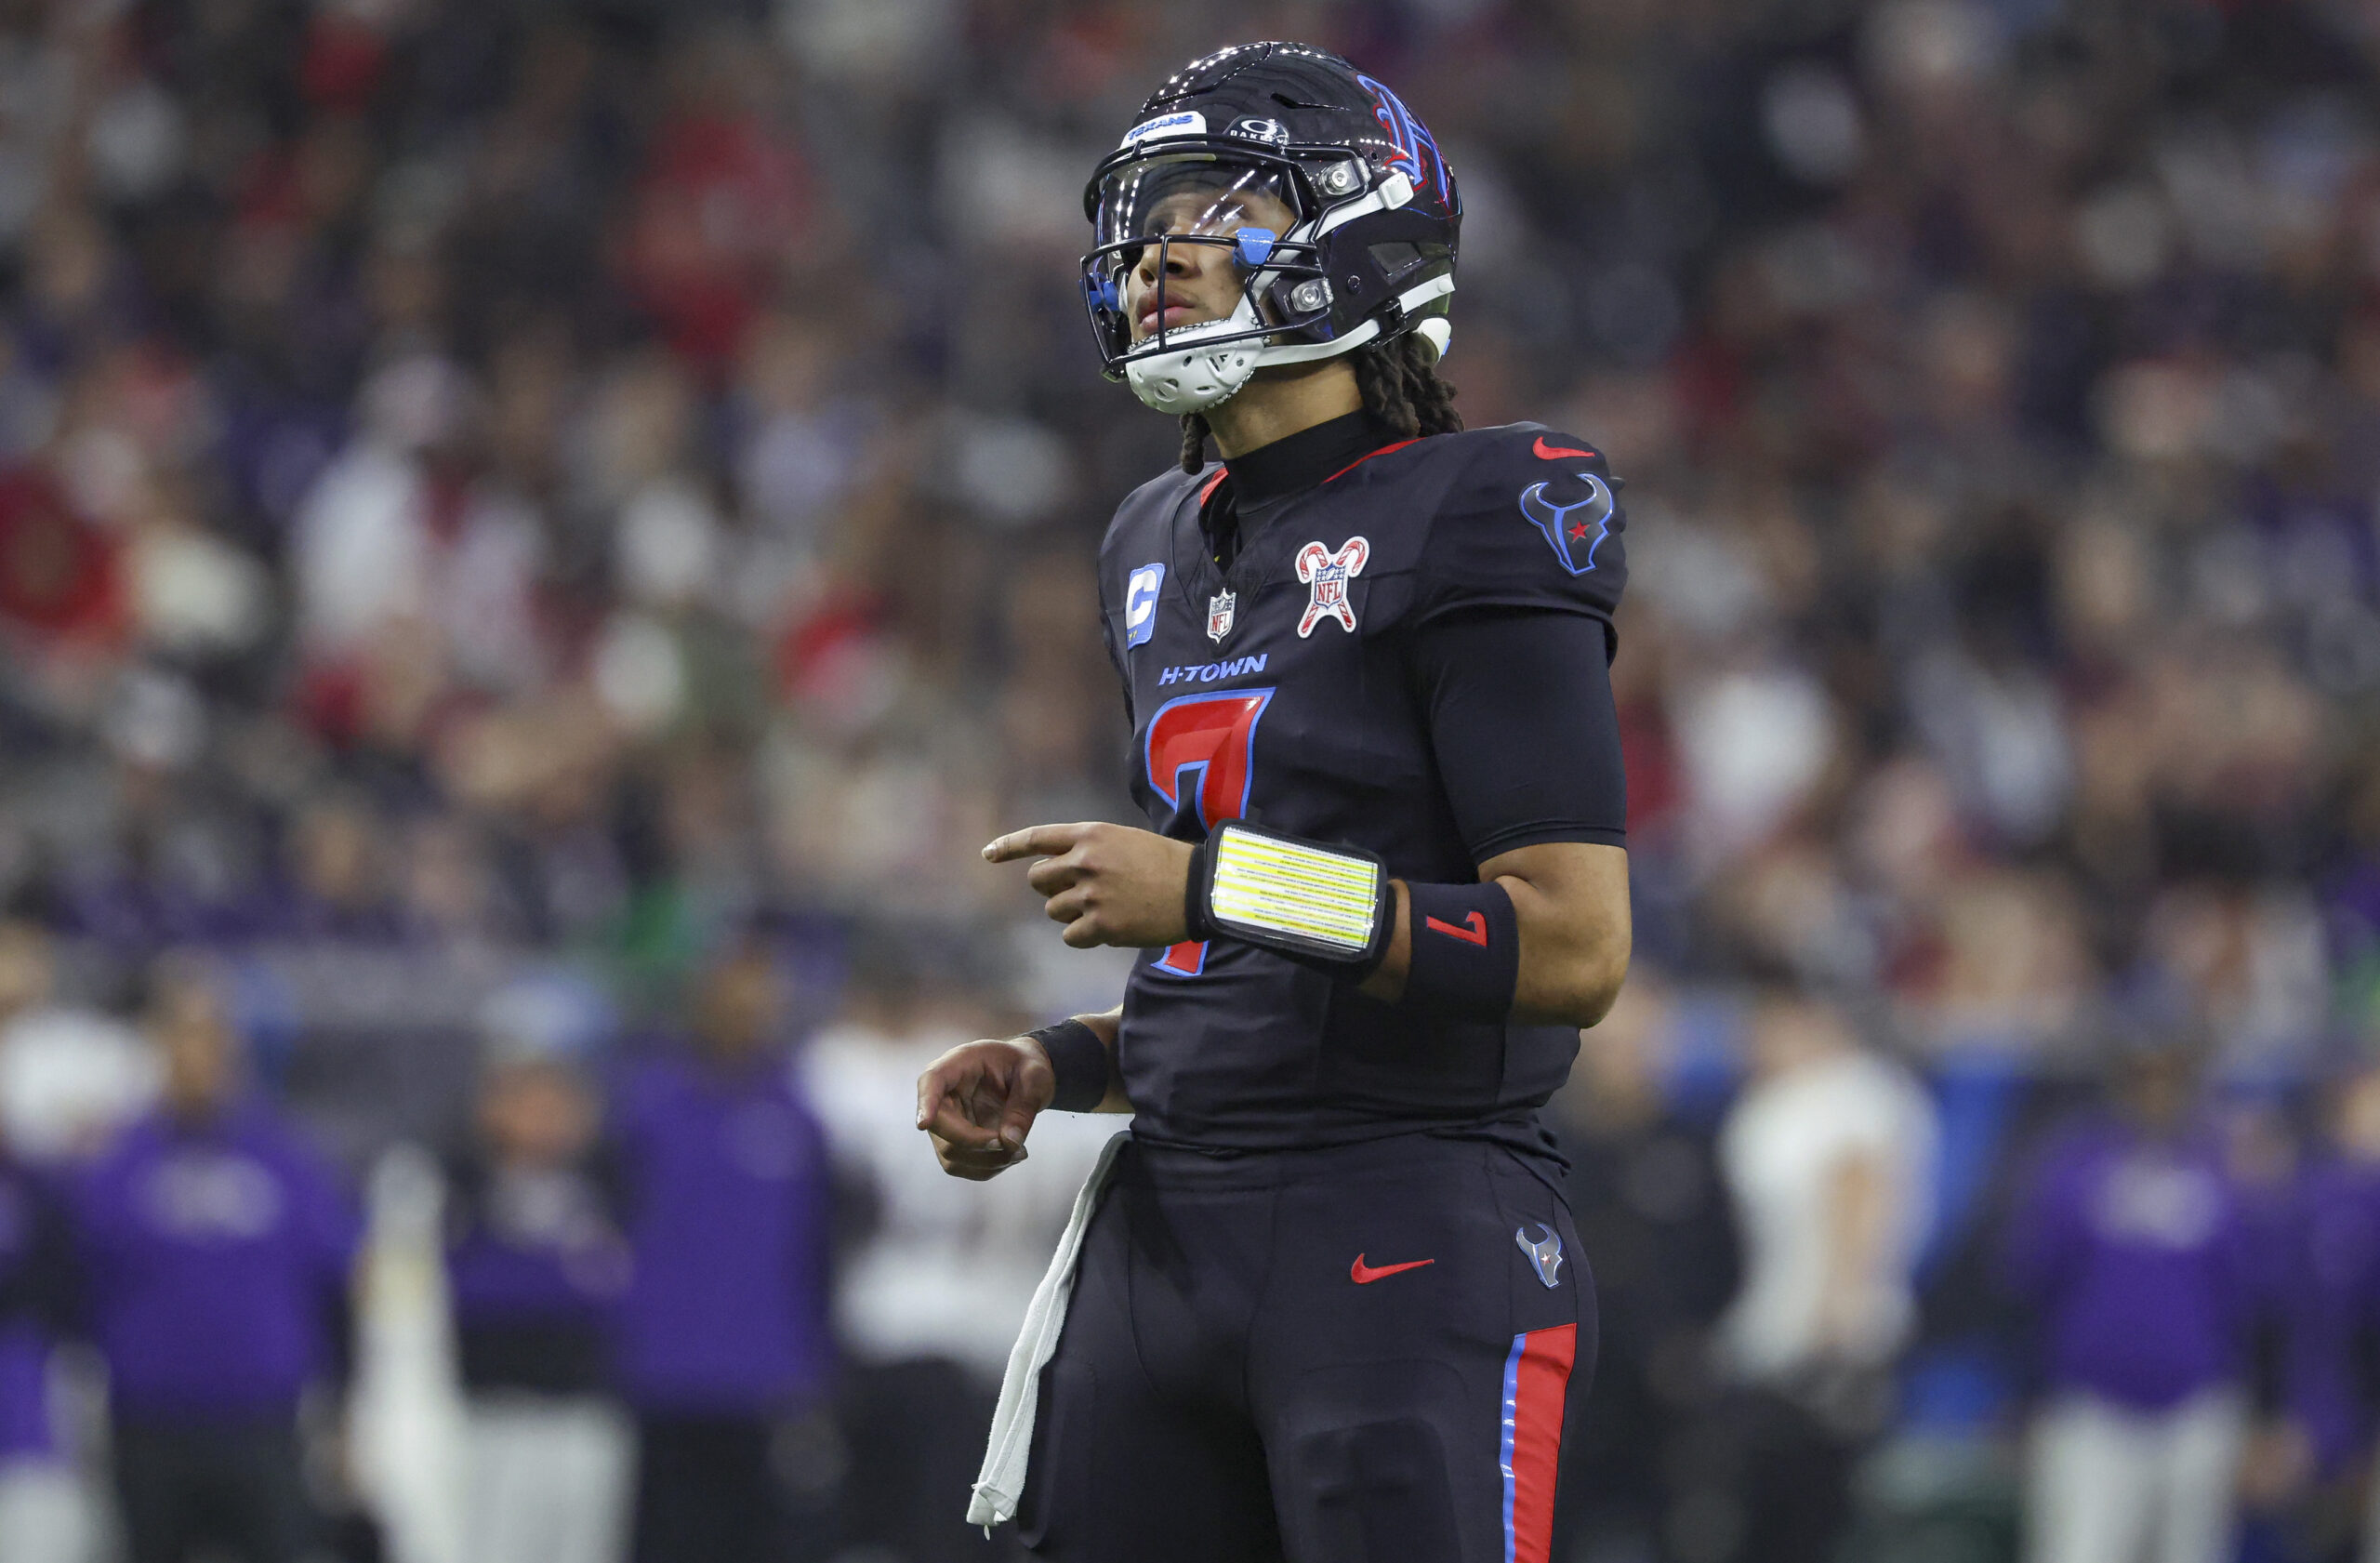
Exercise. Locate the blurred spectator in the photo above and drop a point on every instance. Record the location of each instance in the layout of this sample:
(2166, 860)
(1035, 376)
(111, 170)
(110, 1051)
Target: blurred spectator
(2132, 1244)
(536, 1264)
(1827, 1156)
(61, 588)
(1653, 1216)
(333, 886)
(724, 1331)
(43, 1515)
(2257, 1129)
(70, 1075)
(933, 1275)
(215, 1246)
(2335, 1345)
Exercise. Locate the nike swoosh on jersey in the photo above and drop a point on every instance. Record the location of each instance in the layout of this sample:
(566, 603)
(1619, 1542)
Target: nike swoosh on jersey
(1544, 451)
(1366, 1274)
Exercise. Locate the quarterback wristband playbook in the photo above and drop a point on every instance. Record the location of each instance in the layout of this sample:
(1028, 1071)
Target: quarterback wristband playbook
(1321, 906)
(1079, 1060)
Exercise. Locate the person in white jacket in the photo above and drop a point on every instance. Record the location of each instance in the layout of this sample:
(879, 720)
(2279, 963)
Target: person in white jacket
(1829, 1155)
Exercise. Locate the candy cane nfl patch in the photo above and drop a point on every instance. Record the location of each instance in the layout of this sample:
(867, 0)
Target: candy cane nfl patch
(1326, 575)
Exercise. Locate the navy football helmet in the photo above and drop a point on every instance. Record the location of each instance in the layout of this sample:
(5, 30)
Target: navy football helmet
(1339, 217)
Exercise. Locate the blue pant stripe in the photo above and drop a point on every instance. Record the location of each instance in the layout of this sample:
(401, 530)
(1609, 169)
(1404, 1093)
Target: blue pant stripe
(1512, 1416)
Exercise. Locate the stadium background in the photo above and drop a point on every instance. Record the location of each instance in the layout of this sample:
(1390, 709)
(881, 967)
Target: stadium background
(502, 499)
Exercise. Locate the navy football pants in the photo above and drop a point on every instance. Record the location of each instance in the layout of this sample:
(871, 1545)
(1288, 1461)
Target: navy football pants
(1228, 1389)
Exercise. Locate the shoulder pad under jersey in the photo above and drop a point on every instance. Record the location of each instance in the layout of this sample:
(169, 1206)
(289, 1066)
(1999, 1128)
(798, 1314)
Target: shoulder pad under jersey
(1531, 519)
(1153, 504)
(1134, 557)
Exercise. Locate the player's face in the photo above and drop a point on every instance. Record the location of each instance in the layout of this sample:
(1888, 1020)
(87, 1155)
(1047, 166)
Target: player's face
(202, 1052)
(536, 1112)
(1199, 280)
(737, 1006)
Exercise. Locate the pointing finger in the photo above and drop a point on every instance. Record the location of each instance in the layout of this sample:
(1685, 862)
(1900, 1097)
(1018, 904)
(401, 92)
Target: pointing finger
(1041, 841)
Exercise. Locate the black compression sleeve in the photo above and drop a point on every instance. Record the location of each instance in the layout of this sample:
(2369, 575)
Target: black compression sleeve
(1521, 719)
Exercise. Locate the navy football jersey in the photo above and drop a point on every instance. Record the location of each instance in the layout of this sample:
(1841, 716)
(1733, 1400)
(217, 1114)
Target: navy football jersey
(1277, 690)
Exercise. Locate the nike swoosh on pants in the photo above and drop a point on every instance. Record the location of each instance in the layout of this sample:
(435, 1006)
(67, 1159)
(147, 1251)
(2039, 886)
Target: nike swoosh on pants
(1364, 1275)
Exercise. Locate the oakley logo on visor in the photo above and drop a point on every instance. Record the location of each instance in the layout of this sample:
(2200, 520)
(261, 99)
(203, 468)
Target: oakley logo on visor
(1189, 122)
(1140, 604)
(1272, 132)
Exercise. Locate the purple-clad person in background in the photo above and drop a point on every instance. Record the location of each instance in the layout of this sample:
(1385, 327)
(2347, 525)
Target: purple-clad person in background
(2335, 1314)
(215, 1248)
(724, 1331)
(2131, 1242)
(536, 1264)
(43, 1518)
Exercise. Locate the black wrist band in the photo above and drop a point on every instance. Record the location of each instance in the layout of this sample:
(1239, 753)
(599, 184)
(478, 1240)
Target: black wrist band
(1465, 949)
(1193, 896)
(1081, 1061)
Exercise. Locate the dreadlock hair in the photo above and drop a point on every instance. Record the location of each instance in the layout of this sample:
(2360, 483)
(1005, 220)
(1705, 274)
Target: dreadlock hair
(1400, 379)
(1194, 442)
(1399, 382)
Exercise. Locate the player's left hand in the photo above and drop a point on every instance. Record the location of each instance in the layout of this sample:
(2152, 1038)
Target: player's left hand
(977, 1103)
(1109, 884)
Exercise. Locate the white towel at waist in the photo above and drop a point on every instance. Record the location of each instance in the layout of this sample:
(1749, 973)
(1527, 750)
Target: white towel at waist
(1001, 1482)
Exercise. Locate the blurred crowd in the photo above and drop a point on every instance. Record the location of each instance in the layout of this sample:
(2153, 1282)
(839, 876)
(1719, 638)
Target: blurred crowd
(696, 1293)
(512, 512)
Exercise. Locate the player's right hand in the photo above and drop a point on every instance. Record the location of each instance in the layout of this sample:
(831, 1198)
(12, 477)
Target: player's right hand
(977, 1101)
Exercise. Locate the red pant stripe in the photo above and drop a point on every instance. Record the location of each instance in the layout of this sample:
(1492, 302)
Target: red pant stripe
(1537, 1380)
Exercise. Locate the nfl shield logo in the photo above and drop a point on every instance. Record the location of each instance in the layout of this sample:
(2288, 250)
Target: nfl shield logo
(1326, 575)
(1218, 615)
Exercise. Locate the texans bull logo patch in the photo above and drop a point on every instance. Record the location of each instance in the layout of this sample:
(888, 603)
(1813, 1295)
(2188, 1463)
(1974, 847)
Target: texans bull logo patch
(1576, 530)
(1544, 1251)
(1326, 575)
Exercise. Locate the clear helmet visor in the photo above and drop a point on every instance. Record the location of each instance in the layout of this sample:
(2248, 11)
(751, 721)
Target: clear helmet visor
(1196, 195)
(1202, 259)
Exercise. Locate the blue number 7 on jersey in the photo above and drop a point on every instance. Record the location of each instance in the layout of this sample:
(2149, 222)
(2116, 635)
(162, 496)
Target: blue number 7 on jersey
(1212, 737)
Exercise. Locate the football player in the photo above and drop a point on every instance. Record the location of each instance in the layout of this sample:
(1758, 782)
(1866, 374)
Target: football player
(1327, 1302)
